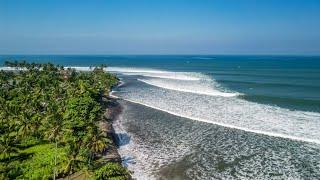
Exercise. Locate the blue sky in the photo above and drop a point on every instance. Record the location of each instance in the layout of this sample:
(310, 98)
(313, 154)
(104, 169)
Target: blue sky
(160, 27)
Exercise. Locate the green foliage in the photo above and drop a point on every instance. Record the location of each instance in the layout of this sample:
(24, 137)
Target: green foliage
(48, 120)
(35, 162)
(42, 164)
(111, 171)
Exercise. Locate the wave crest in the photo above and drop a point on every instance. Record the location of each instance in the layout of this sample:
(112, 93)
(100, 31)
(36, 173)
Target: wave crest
(196, 88)
(154, 73)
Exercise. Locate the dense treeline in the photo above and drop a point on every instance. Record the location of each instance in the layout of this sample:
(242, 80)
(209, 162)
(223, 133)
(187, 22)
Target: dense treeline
(48, 122)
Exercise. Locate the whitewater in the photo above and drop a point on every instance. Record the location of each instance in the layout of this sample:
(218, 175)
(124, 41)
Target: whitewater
(199, 97)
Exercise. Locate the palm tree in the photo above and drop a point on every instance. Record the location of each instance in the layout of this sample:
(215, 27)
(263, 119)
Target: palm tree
(8, 142)
(74, 160)
(53, 124)
(25, 127)
(96, 142)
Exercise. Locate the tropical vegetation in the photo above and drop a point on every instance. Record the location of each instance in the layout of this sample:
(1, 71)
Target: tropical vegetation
(49, 122)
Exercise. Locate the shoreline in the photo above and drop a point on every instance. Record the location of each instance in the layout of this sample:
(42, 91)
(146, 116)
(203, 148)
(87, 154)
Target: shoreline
(112, 109)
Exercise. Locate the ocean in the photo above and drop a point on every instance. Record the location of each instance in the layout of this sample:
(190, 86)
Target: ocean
(213, 116)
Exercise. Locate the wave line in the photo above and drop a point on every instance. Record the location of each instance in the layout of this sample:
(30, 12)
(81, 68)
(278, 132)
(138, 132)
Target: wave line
(212, 93)
(225, 125)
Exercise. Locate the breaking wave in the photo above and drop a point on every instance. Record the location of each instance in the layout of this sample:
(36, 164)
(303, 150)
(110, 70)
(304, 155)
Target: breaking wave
(211, 104)
(196, 88)
(154, 73)
(274, 134)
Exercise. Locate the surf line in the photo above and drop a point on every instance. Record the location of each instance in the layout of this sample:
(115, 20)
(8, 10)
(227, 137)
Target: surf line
(217, 93)
(225, 125)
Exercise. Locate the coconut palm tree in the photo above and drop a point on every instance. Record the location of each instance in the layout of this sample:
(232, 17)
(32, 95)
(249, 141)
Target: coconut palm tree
(8, 144)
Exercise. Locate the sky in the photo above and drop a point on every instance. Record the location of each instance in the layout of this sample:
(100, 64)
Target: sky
(160, 27)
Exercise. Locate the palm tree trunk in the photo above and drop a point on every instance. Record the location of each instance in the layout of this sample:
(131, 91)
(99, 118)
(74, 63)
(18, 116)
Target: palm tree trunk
(55, 161)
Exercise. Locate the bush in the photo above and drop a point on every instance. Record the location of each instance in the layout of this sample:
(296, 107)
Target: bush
(41, 165)
(111, 171)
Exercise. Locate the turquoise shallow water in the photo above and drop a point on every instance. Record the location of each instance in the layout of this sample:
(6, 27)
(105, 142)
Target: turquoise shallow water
(214, 117)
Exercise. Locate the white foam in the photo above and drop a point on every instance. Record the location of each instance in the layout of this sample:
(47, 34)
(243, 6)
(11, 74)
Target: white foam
(196, 149)
(134, 70)
(139, 157)
(133, 154)
(202, 100)
(227, 125)
(154, 73)
(216, 107)
(177, 76)
(231, 112)
(180, 81)
(193, 87)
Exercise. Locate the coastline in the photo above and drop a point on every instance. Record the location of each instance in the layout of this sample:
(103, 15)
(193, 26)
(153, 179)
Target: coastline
(112, 110)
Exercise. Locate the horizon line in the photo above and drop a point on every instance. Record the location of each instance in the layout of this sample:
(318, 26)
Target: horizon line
(138, 54)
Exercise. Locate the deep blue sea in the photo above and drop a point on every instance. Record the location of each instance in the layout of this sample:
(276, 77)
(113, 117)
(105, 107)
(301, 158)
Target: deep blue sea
(214, 116)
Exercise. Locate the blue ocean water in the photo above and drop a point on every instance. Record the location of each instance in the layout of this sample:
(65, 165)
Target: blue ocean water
(287, 81)
(214, 117)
